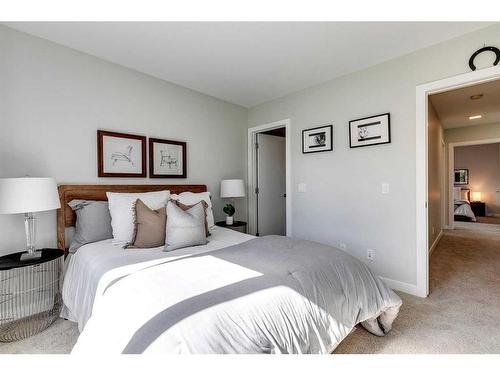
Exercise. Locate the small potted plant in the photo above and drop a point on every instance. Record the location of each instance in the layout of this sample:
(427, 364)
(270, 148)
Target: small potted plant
(229, 211)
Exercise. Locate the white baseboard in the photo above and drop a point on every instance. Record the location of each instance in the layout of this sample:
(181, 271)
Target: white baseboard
(401, 286)
(436, 241)
(447, 227)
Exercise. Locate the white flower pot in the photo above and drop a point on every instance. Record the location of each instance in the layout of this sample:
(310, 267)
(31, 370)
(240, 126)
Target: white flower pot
(229, 220)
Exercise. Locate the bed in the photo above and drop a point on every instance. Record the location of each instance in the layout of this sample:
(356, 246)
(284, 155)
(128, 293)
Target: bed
(237, 294)
(461, 205)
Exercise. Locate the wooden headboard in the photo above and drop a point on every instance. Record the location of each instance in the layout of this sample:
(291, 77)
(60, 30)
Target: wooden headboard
(66, 217)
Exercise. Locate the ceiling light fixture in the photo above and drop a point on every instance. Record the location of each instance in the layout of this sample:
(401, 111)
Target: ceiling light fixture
(476, 97)
(475, 117)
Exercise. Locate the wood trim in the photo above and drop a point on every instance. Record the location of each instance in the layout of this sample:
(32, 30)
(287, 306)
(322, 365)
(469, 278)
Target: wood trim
(151, 158)
(100, 160)
(66, 217)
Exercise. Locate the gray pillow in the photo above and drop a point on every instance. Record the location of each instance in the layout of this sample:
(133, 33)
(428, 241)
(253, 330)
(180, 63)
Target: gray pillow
(93, 222)
(185, 228)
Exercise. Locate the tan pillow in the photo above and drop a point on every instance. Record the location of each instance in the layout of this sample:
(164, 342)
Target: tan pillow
(149, 226)
(186, 207)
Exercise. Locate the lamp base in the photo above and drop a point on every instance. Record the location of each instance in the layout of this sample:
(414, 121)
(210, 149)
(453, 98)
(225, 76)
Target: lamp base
(31, 256)
(229, 220)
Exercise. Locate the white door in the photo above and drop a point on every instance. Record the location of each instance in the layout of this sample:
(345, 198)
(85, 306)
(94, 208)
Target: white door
(271, 182)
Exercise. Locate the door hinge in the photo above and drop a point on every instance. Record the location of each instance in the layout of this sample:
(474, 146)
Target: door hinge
(256, 145)
(256, 190)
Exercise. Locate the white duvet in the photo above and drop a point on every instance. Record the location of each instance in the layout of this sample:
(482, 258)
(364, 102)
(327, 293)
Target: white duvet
(267, 295)
(96, 266)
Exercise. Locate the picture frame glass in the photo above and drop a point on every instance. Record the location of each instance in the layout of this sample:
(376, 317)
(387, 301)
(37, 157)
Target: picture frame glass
(461, 177)
(317, 139)
(168, 159)
(121, 155)
(370, 131)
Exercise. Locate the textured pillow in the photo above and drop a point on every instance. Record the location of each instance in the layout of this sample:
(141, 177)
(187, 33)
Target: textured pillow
(185, 228)
(121, 208)
(189, 198)
(186, 207)
(149, 226)
(93, 223)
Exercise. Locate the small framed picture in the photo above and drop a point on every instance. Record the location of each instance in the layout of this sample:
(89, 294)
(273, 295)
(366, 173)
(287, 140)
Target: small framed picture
(167, 159)
(368, 131)
(317, 139)
(461, 177)
(120, 154)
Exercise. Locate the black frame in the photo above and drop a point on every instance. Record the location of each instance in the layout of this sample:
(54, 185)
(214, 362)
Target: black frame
(319, 127)
(152, 141)
(466, 177)
(366, 118)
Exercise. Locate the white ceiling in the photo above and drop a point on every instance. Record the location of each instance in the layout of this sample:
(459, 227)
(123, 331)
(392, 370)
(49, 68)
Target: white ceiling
(247, 63)
(454, 107)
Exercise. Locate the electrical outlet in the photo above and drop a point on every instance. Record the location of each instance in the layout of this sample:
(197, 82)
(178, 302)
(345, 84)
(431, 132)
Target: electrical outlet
(343, 246)
(370, 254)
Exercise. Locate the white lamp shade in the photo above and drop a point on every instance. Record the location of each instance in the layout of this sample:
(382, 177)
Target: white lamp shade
(232, 189)
(28, 194)
(476, 196)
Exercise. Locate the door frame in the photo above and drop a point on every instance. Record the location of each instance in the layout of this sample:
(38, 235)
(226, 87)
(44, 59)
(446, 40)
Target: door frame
(450, 174)
(252, 173)
(422, 94)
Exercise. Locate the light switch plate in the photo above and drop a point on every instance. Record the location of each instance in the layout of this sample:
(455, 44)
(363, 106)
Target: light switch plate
(385, 188)
(302, 187)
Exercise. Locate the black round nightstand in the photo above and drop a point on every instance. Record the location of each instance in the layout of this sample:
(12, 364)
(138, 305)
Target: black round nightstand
(30, 294)
(240, 226)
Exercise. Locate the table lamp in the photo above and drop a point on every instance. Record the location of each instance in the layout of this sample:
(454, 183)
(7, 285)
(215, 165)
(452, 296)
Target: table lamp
(25, 196)
(476, 196)
(231, 189)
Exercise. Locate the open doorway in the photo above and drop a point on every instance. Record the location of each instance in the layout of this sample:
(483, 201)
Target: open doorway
(463, 182)
(469, 118)
(423, 92)
(269, 201)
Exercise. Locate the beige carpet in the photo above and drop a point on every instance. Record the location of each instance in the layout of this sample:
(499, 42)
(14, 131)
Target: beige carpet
(462, 312)
(461, 315)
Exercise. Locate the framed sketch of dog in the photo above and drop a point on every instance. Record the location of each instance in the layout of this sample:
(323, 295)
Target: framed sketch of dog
(167, 159)
(120, 154)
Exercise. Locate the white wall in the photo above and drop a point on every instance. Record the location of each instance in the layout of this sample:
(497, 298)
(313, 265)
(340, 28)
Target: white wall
(344, 201)
(435, 182)
(53, 99)
(483, 163)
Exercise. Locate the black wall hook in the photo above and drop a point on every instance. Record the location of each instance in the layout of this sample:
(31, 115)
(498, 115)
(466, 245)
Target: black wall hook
(495, 50)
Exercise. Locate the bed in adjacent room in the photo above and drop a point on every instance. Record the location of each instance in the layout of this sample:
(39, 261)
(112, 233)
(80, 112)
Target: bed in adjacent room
(461, 205)
(235, 294)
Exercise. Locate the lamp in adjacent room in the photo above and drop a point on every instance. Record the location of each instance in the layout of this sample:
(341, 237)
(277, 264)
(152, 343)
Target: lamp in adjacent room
(25, 196)
(476, 196)
(231, 189)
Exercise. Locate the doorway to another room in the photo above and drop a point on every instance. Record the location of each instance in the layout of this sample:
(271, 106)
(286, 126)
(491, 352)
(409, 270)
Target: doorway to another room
(269, 179)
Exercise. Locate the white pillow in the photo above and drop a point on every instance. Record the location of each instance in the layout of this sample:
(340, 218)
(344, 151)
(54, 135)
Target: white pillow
(121, 208)
(457, 193)
(190, 198)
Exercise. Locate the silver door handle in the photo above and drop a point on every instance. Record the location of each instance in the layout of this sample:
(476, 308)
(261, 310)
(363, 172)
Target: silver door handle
(283, 195)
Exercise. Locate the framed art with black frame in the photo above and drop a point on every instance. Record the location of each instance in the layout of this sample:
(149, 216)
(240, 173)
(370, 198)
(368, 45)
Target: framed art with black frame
(317, 139)
(461, 176)
(369, 131)
(167, 159)
(120, 154)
